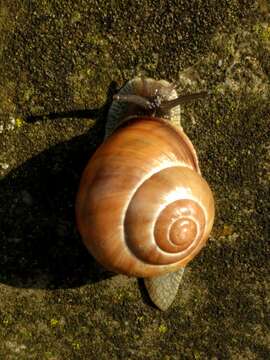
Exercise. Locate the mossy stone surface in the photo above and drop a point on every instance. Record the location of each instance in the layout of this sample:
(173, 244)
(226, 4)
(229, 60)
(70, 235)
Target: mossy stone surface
(60, 63)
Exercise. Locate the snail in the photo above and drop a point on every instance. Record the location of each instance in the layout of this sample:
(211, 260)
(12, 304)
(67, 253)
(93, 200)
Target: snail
(143, 208)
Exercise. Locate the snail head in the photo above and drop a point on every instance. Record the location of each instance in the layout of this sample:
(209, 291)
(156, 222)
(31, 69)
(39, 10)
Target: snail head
(158, 104)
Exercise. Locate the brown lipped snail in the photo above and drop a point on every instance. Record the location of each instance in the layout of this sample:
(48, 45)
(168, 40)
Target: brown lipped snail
(143, 208)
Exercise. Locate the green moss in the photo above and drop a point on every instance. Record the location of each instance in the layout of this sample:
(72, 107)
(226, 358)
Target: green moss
(263, 32)
(58, 58)
(162, 329)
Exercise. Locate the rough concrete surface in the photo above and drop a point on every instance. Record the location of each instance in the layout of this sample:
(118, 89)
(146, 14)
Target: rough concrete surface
(60, 63)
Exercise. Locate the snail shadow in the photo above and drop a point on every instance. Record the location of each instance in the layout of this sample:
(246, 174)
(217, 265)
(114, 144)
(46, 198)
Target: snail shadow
(145, 296)
(40, 246)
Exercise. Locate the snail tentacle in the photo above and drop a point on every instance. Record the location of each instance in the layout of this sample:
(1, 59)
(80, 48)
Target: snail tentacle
(169, 104)
(135, 99)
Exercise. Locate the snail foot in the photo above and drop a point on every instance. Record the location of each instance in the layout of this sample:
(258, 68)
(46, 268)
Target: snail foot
(163, 289)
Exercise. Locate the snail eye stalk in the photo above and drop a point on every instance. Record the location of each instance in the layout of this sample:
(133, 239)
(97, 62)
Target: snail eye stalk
(167, 105)
(156, 103)
(134, 99)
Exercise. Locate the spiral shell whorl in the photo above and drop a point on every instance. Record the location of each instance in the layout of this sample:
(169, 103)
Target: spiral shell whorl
(141, 189)
(173, 218)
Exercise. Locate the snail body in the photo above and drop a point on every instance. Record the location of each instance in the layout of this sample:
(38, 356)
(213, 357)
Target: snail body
(143, 208)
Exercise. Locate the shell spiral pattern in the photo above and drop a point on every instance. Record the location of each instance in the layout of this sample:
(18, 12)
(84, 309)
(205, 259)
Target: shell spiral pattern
(143, 208)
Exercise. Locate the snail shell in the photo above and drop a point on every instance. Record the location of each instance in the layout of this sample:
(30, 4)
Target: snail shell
(143, 208)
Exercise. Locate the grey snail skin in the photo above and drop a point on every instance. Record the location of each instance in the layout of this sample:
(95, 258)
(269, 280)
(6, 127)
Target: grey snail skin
(143, 209)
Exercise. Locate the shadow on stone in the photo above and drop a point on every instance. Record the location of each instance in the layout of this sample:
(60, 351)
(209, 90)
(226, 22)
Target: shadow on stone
(40, 246)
